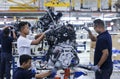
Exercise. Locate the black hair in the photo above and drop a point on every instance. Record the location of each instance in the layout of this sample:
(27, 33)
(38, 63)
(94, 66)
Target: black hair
(6, 32)
(24, 58)
(22, 24)
(99, 22)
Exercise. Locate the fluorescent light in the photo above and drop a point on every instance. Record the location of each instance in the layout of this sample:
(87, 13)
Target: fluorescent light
(1, 22)
(5, 16)
(109, 28)
(112, 23)
(108, 15)
(85, 18)
(106, 19)
(8, 22)
(77, 22)
(68, 18)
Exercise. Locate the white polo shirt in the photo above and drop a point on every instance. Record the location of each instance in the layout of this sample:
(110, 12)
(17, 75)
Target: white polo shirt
(23, 45)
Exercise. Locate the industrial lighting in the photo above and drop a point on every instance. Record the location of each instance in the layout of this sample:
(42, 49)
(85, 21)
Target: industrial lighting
(106, 19)
(77, 22)
(1, 22)
(109, 28)
(112, 23)
(74, 18)
(85, 18)
(109, 15)
(68, 18)
(5, 17)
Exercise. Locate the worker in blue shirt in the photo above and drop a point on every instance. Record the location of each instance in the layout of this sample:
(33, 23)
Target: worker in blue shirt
(0, 53)
(23, 71)
(103, 65)
(0, 48)
(6, 52)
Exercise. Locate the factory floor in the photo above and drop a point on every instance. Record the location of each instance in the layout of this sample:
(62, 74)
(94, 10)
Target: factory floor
(90, 75)
(115, 75)
(85, 59)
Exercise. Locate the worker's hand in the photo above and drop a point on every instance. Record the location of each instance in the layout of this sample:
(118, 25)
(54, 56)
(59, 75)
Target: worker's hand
(53, 72)
(5, 27)
(88, 30)
(13, 30)
(95, 68)
(32, 71)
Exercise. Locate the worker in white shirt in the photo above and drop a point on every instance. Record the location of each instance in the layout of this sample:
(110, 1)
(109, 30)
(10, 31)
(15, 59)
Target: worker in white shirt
(23, 43)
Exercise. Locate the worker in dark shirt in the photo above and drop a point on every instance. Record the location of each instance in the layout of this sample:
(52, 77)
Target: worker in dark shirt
(0, 54)
(6, 52)
(22, 72)
(0, 48)
(103, 65)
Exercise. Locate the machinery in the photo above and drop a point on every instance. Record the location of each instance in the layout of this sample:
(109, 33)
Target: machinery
(62, 51)
(61, 40)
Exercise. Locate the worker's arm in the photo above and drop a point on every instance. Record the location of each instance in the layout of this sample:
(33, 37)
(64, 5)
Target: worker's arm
(38, 35)
(91, 36)
(5, 27)
(43, 75)
(38, 40)
(14, 35)
(103, 58)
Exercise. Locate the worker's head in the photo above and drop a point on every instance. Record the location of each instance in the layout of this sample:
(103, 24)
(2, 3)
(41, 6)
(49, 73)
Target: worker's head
(99, 25)
(24, 27)
(6, 32)
(25, 61)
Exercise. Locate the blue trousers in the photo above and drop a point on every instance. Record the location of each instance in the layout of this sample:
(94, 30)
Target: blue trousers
(6, 61)
(104, 74)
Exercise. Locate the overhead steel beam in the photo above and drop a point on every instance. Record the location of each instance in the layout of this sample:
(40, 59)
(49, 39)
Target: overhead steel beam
(22, 13)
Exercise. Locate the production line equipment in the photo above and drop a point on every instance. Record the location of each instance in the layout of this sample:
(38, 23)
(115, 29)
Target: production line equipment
(62, 50)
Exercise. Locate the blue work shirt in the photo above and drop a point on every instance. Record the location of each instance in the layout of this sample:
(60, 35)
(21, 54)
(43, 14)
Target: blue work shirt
(21, 73)
(104, 41)
(0, 40)
(6, 43)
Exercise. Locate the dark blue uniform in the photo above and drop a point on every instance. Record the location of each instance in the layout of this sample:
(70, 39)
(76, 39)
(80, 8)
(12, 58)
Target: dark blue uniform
(0, 54)
(104, 41)
(6, 55)
(21, 73)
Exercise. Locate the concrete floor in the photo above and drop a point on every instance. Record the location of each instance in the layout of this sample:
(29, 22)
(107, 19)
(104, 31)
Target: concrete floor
(115, 75)
(90, 75)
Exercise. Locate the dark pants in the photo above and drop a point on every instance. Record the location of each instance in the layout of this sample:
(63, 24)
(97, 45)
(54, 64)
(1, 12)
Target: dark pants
(104, 74)
(6, 60)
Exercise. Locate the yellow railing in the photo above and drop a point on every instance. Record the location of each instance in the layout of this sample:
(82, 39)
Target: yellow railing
(23, 6)
(56, 3)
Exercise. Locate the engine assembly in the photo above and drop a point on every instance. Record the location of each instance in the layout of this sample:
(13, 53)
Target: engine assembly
(61, 40)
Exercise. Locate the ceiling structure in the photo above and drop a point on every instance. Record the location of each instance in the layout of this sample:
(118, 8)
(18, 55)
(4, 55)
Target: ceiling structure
(32, 8)
(90, 5)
